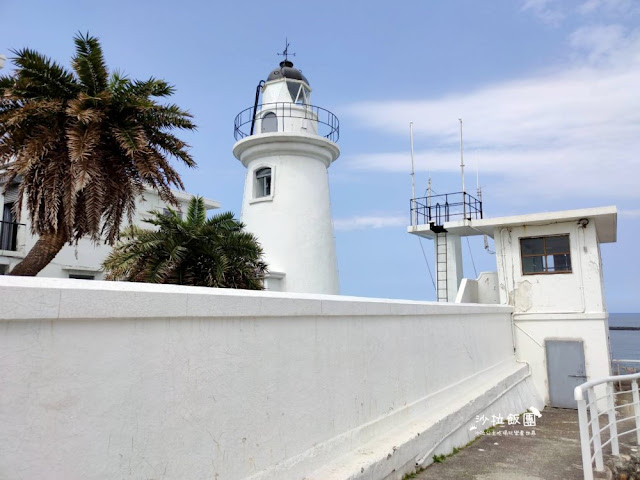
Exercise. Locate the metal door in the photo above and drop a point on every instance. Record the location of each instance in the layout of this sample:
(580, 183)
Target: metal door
(565, 371)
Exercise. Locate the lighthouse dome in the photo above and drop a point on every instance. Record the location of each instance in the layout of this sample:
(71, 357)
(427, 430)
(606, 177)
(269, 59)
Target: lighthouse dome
(286, 70)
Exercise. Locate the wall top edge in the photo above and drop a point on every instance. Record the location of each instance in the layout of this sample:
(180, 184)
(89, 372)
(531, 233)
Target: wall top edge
(35, 297)
(521, 317)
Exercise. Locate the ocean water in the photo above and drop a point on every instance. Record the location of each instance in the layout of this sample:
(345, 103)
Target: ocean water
(625, 344)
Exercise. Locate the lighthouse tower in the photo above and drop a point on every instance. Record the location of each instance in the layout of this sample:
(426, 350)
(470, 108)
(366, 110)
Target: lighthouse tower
(287, 145)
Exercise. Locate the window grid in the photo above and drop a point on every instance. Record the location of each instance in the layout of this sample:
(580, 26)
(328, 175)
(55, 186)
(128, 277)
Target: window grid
(546, 257)
(263, 182)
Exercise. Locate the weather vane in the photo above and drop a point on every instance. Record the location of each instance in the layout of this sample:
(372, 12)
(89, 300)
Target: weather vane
(285, 53)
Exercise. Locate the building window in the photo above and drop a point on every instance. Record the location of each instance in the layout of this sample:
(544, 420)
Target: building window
(82, 277)
(269, 122)
(545, 255)
(167, 213)
(8, 229)
(263, 182)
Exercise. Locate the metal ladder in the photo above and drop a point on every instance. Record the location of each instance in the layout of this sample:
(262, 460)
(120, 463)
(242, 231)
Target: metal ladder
(441, 267)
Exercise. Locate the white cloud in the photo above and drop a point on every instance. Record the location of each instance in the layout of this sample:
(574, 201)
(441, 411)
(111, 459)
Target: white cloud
(600, 42)
(613, 7)
(549, 11)
(575, 131)
(368, 222)
(630, 213)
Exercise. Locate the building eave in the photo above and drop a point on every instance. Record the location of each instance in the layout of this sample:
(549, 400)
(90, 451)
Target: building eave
(604, 218)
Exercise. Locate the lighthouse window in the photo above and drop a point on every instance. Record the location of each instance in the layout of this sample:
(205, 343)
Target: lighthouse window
(263, 182)
(545, 254)
(269, 122)
(294, 89)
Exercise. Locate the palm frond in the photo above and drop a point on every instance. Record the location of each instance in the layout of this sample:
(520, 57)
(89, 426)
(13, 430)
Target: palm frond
(38, 76)
(89, 64)
(196, 214)
(152, 87)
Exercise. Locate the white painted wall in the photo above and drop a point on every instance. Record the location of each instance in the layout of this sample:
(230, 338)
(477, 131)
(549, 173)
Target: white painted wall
(86, 258)
(290, 117)
(580, 291)
(106, 380)
(483, 290)
(294, 223)
(453, 274)
(531, 332)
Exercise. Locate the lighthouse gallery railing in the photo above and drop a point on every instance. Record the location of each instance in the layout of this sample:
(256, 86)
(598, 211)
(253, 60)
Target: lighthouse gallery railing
(328, 124)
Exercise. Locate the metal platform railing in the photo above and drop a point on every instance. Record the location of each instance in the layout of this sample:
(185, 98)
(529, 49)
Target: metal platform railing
(328, 123)
(589, 414)
(438, 209)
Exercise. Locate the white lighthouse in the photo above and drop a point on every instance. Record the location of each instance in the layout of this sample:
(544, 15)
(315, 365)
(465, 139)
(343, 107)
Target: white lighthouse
(287, 145)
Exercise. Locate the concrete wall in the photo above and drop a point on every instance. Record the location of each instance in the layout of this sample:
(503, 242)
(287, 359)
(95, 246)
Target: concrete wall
(532, 331)
(483, 290)
(111, 380)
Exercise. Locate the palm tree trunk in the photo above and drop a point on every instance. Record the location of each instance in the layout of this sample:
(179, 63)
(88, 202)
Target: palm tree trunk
(45, 250)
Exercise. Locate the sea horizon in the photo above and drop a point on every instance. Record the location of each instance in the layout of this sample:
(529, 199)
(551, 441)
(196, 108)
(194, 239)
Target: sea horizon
(625, 344)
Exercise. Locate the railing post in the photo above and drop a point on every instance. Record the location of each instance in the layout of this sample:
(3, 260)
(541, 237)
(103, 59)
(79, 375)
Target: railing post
(464, 206)
(595, 429)
(583, 422)
(414, 213)
(613, 426)
(636, 407)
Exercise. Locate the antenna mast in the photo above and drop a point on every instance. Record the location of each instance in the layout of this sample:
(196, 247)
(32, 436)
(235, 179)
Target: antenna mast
(414, 213)
(478, 187)
(464, 203)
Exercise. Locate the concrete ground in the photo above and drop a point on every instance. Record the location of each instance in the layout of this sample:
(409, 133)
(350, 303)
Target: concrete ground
(552, 454)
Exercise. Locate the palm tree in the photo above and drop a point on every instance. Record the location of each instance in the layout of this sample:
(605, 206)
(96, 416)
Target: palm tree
(84, 144)
(196, 251)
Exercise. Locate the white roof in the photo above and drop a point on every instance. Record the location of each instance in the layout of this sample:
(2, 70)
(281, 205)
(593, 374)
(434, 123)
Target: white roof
(605, 219)
(186, 198)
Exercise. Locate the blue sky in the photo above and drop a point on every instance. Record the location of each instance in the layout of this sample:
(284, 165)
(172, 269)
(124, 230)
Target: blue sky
(548, 91)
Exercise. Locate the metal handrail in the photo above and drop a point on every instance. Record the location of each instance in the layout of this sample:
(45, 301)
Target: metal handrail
(328, 123)
(589, 419)
(438, 209)
(631, 366)
(624, 367)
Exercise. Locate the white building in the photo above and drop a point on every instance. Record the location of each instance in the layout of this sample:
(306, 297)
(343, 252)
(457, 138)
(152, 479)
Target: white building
(82, 261)
(549, 269)
(287, 145)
